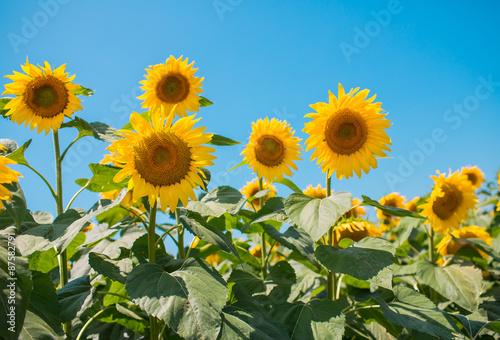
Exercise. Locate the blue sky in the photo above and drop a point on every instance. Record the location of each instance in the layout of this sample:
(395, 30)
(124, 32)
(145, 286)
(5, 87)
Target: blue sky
(434, 67)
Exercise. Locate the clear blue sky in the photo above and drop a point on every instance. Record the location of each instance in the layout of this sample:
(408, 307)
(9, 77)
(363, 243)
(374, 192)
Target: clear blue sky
(434, 66)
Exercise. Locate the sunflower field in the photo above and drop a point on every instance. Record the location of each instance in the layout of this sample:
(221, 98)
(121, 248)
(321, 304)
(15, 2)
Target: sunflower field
(247, 263)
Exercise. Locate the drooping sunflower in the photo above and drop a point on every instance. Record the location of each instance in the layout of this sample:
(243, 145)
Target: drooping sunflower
(474, 175)
(411, 205)
(170, 84)
(392, 200)
(252, 187)
(355, 230)
(44, 96)
(272, 149)
(162, 159)
(448, 246)
(347, 133)
(356, 210)
(317, 192)
(7, 176)
(450, 200)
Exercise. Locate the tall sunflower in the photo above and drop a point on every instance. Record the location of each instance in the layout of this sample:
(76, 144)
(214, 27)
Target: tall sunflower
(392, 200)
(170, 84)
(355, 230)
(448, 246)
(272, 149)
(7, 176)
(347, 133)
(316, 192)
(252, 187)
(474, 175)
(44, 96)
(450, 200)
(162, 159)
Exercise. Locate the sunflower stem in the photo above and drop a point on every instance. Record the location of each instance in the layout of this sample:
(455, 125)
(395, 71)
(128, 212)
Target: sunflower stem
(431, 245)
(76, 195)
(263, 236)
(68, 147)
(331, 285)
(63, 257)
(180, 241)
(44, 180)
(153, 326)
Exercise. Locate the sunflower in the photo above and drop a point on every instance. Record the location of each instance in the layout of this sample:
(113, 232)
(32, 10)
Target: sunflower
(356, 210)
(170, 84)
(272, 149)
(7, 176)
(412, 204)
(448, 246)
(213, 259)
(450, 200)
(44, 97)
(392, 200)
(251, 188)
(162, 160)
(347, 133)
(355, 230)
(317, 192)
(474, 175)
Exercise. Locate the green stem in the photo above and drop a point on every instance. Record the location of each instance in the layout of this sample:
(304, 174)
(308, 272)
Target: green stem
(153, 329)
(63, 257)
(69, 146)
(44, 179)
(431, 245)
(364, 307)
(180, 241)
(115, 294)
(263, 247)
(337, 294)
(331, 278)
(165, 234)
(88, 323)
(76, 195)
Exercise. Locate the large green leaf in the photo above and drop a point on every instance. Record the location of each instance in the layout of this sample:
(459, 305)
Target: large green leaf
(44, 302)
(316, 215)
(247, 279)
(273, 210)
(99, 131)
(404, 229)
(115, 270)
(45, 261)
(460, 284)
(322, 320)
(140, 248)
(35, 328)
(217, 202)
(370, 259)
(393, 211)
(290, 184)
(222, 141)
(414, 311)
(102, 179)
(18, 155)
(125, 317)
(281, 278)
(16, 206)
(189, 299)
(3, 102)
(16, 285)
(74, 298)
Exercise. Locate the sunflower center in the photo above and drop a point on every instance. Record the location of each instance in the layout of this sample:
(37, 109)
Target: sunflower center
(472, 178)
(173, 88)
(162, 159)
(445, 206)
(46, 96)
(269, 150)
(346, 132)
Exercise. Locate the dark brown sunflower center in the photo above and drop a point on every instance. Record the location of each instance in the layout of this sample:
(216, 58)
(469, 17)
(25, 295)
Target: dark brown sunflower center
(472, 178)
(269, 150)
(46, 96)
(346, 132)
(162, 159)
(173, 88)
(445, 206)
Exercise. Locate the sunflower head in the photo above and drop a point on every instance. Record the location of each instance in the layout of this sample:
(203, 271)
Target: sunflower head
(474, 175)
(412, 204)
(272, 149)
(162, 160)
(392, 200)
(213, 259)
(315, 192)
(7, 176)
(355, 230)
(347, 133)
(251, 188)
(357, 210)
(450, 200)
(447, 246)
(172, 84)
(44, 96)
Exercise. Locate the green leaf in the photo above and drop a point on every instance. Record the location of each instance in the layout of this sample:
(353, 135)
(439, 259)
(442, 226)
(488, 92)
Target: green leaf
(205, 179)
(316, 215)
(290, 184)
(460, 284)
(44, 302)
(117, 288)
(99, 131)
(404, 229)
(373, 259)
(16, 206)
(322, 320)
(18, 155)
(204, 102)
(414, 311)
(140, 248)
(474, 323)
(282, 277)
(102, 180)
(189, 299)
(217, 202)
(115, 270)
(222, 141)
(243, 162)
(15, 280)
(273, 210)
(45, 261)
(393, 211)
(247, 279)
(35, 328)
(83, 91)
(207, 232)
(3, 102)
(125, 317)
(74, 298)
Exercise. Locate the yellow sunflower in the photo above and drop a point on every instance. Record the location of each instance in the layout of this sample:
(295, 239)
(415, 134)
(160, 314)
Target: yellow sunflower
(43, 97)
(272, 149)
(170, 84)
(392, 200)
(447, 246)
(412, 204)
(162, 160)
(451, 198)
(474, 175)
(347, 133)
(7, 176)
(355, 230)
(317, 192)
(356, 210)
(213, 259)
(251, 188)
